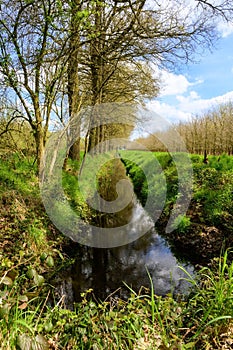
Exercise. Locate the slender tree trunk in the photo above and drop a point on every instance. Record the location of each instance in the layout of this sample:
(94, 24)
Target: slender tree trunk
(96, 135)
(73, 82)
(40, 134)
(40, 144)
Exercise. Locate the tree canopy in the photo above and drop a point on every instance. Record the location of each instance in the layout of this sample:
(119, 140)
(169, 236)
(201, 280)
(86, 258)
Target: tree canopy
(59, 56)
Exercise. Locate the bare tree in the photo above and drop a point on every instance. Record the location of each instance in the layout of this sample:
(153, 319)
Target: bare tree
(73, 77)
(99, 47)
(122, 34)
(30, 47)
(223, 9)
(208, 133)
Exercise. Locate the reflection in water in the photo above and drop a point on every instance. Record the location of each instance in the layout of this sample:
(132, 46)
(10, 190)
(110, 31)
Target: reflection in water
(104, 270)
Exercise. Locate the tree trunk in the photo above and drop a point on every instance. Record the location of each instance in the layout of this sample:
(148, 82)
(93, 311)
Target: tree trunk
(74, 152)
(73, 82)
(40, 143)
(40, 134)
(97, 70)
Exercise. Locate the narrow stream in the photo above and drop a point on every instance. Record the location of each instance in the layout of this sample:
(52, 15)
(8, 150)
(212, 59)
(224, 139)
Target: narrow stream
(105, 270)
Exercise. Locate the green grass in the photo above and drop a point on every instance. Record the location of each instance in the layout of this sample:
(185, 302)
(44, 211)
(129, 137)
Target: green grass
(31, 252)
(212, 186)
(212, 301)
(27, 244)
(16, 174)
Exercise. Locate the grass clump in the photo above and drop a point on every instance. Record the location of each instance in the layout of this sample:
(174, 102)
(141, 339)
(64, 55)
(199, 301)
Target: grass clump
(209, 312)
(182, 223)
(29, 253)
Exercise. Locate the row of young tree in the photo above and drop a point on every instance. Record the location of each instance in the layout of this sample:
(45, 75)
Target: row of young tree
(58, 57)
(209, 133)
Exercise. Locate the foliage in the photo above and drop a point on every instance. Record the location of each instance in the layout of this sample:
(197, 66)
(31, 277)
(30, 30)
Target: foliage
(70, 182)
(28, 255)
(213, 188)
(153, 177)
(16, 136)
(182, 223)
(144, 321)
(56, 57)
(212, 304)
(32, 318)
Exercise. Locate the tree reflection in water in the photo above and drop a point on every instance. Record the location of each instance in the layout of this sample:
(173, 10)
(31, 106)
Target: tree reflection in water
(104, 270)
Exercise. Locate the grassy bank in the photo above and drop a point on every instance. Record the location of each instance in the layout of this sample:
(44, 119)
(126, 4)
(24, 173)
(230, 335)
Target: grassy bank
(206, 228)
(32, 316)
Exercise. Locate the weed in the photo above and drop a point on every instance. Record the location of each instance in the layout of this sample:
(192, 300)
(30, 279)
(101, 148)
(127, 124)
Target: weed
(182, 223)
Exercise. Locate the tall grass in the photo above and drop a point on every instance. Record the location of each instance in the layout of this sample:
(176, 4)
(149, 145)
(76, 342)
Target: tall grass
(144, 321)
(211, 304)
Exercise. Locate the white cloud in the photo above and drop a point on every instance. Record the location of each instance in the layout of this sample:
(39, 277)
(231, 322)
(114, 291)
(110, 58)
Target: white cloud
(194, 95)
(172, 84)
(186, 107)
(225, 29)
(175, 84)
(194, 104)
(170, 113)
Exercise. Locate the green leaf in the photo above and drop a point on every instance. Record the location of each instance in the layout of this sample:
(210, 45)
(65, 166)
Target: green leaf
(50, 261)
(48, 326)
(7, 281)
(31, 273)
(190, 345)
(4, 310)
(23, 298)
(39, 280)
(43, 256)
(218, 319)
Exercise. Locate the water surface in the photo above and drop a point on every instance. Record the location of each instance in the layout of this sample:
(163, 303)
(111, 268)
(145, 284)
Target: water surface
(105, 270)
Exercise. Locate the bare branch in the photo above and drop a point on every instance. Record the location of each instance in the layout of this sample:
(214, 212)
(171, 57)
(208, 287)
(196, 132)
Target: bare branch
(14, 117)
(224, 9)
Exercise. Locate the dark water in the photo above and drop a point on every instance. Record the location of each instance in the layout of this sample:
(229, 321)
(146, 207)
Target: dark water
(104, 270)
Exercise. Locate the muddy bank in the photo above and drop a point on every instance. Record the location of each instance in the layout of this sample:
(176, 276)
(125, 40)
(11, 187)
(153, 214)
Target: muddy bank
(199, 244)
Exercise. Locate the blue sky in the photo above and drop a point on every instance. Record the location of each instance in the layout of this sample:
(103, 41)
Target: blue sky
(215, 69)
(198, 87)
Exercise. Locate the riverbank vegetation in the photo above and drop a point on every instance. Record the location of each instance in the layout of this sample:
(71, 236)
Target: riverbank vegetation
(83, 68)
(206, 228)
(34, 316)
